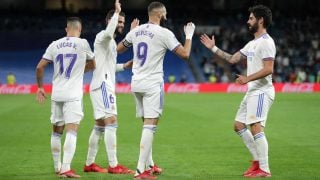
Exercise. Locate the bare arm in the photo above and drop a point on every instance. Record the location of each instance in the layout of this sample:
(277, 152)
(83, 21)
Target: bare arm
(210, 44)
(90, 65)
(265, 71)
(39, 76)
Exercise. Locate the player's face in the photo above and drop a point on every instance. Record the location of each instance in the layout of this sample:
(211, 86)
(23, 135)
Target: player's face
(120, 25)
(252, 24)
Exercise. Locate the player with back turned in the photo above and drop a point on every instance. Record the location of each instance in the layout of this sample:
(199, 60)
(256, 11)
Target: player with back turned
(70, 56)
(150, 42)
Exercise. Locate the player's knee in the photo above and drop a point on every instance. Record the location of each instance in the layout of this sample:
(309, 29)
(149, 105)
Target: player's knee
(99, 128)
(111, 127)
(152, 128)
(238, 126)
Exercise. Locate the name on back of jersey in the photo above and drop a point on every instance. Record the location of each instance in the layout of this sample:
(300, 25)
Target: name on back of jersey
(144, 33)
(65, 44)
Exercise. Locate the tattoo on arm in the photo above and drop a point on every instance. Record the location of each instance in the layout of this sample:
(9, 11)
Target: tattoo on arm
(230, 58)
(224, 55)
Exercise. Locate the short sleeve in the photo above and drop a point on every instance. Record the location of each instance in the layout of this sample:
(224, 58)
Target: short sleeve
(88, 51)
(48, 55)
(171, 41)
(127, 42)
(244, 50)
(268, 50)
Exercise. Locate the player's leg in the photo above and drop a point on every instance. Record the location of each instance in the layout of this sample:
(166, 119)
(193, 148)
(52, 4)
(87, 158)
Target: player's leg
(152, 109)
(73, 114)
(57, 131)
(245, 134)
(257, 114)
(96, 133)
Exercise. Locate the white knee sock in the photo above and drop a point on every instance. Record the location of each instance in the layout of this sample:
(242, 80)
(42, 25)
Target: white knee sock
(150, 162)
(94, 144)
(69, 150)
(56, 150)
(248, 140)
(110, 139)
(145, 146)
(262, 149)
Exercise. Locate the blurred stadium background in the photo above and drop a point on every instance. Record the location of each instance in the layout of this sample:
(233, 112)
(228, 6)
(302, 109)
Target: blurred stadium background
(28, 27)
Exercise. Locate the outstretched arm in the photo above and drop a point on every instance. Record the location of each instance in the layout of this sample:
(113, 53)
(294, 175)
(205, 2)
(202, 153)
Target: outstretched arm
(211, 44)
(39, 75)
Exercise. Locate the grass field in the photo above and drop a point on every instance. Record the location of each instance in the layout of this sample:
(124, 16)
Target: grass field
(195, 138)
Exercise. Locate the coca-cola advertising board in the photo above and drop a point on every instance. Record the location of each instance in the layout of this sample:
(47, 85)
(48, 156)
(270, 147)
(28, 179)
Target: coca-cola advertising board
(176, 88)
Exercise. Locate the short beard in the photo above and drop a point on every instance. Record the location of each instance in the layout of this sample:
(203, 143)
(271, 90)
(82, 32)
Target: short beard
(254, 28)
(118, 33)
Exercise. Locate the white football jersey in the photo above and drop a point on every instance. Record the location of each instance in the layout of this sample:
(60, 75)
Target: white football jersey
(105, 50)
(69, 56)
(257, 51)
(150, 43)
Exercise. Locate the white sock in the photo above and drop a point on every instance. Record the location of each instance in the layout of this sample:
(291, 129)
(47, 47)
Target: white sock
(248, 140)
(56, 150)
(110, 139)
(145, 146)
(69, 150)
(150, 162)
(262, 149)
(94, 144)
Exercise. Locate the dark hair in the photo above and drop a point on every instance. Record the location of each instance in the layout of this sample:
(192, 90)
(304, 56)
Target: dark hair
(74, 19)
(261, 11)
(111, 12)
(155, 5)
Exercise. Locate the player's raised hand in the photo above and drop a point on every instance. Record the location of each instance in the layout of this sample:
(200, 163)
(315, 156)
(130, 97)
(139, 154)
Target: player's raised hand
(41, 96)
(207, 42)
(189, 30)
(117, 6)
(135, 22)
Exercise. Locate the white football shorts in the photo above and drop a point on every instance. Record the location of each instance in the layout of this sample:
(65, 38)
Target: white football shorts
(103, 102)
(254, 108)
(149, 104)
(66, 112)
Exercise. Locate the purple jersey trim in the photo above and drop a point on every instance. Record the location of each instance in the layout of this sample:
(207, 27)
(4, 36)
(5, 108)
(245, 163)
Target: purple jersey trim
(47, 59)
(175, 48)
(243, 53)
(268, 59)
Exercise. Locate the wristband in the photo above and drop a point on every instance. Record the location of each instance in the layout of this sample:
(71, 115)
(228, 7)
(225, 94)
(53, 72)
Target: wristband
(214, 49)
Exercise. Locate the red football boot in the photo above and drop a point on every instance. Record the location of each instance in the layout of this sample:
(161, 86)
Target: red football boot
(94, 168)
(119, 169)
(254, 166)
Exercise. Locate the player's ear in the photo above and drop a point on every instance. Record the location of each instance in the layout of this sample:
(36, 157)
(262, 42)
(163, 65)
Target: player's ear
(66, 30)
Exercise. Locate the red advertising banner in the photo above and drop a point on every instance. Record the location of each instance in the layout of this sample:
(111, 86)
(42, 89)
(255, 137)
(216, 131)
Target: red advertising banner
(177, 88)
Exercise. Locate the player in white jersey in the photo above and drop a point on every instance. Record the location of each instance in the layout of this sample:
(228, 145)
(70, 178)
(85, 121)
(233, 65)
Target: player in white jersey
(150, 42)
(260, 54)
(70, 56)
(102, 93)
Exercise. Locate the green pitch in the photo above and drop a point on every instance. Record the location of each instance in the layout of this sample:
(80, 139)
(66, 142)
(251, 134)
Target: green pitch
(195, 138)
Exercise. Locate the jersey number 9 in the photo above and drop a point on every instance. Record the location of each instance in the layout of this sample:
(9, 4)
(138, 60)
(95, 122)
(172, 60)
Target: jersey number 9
(142, 51)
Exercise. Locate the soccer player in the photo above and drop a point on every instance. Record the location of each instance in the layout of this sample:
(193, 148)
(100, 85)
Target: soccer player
(259, 54)
(69, 56)
(102, 93)
(150, 42)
